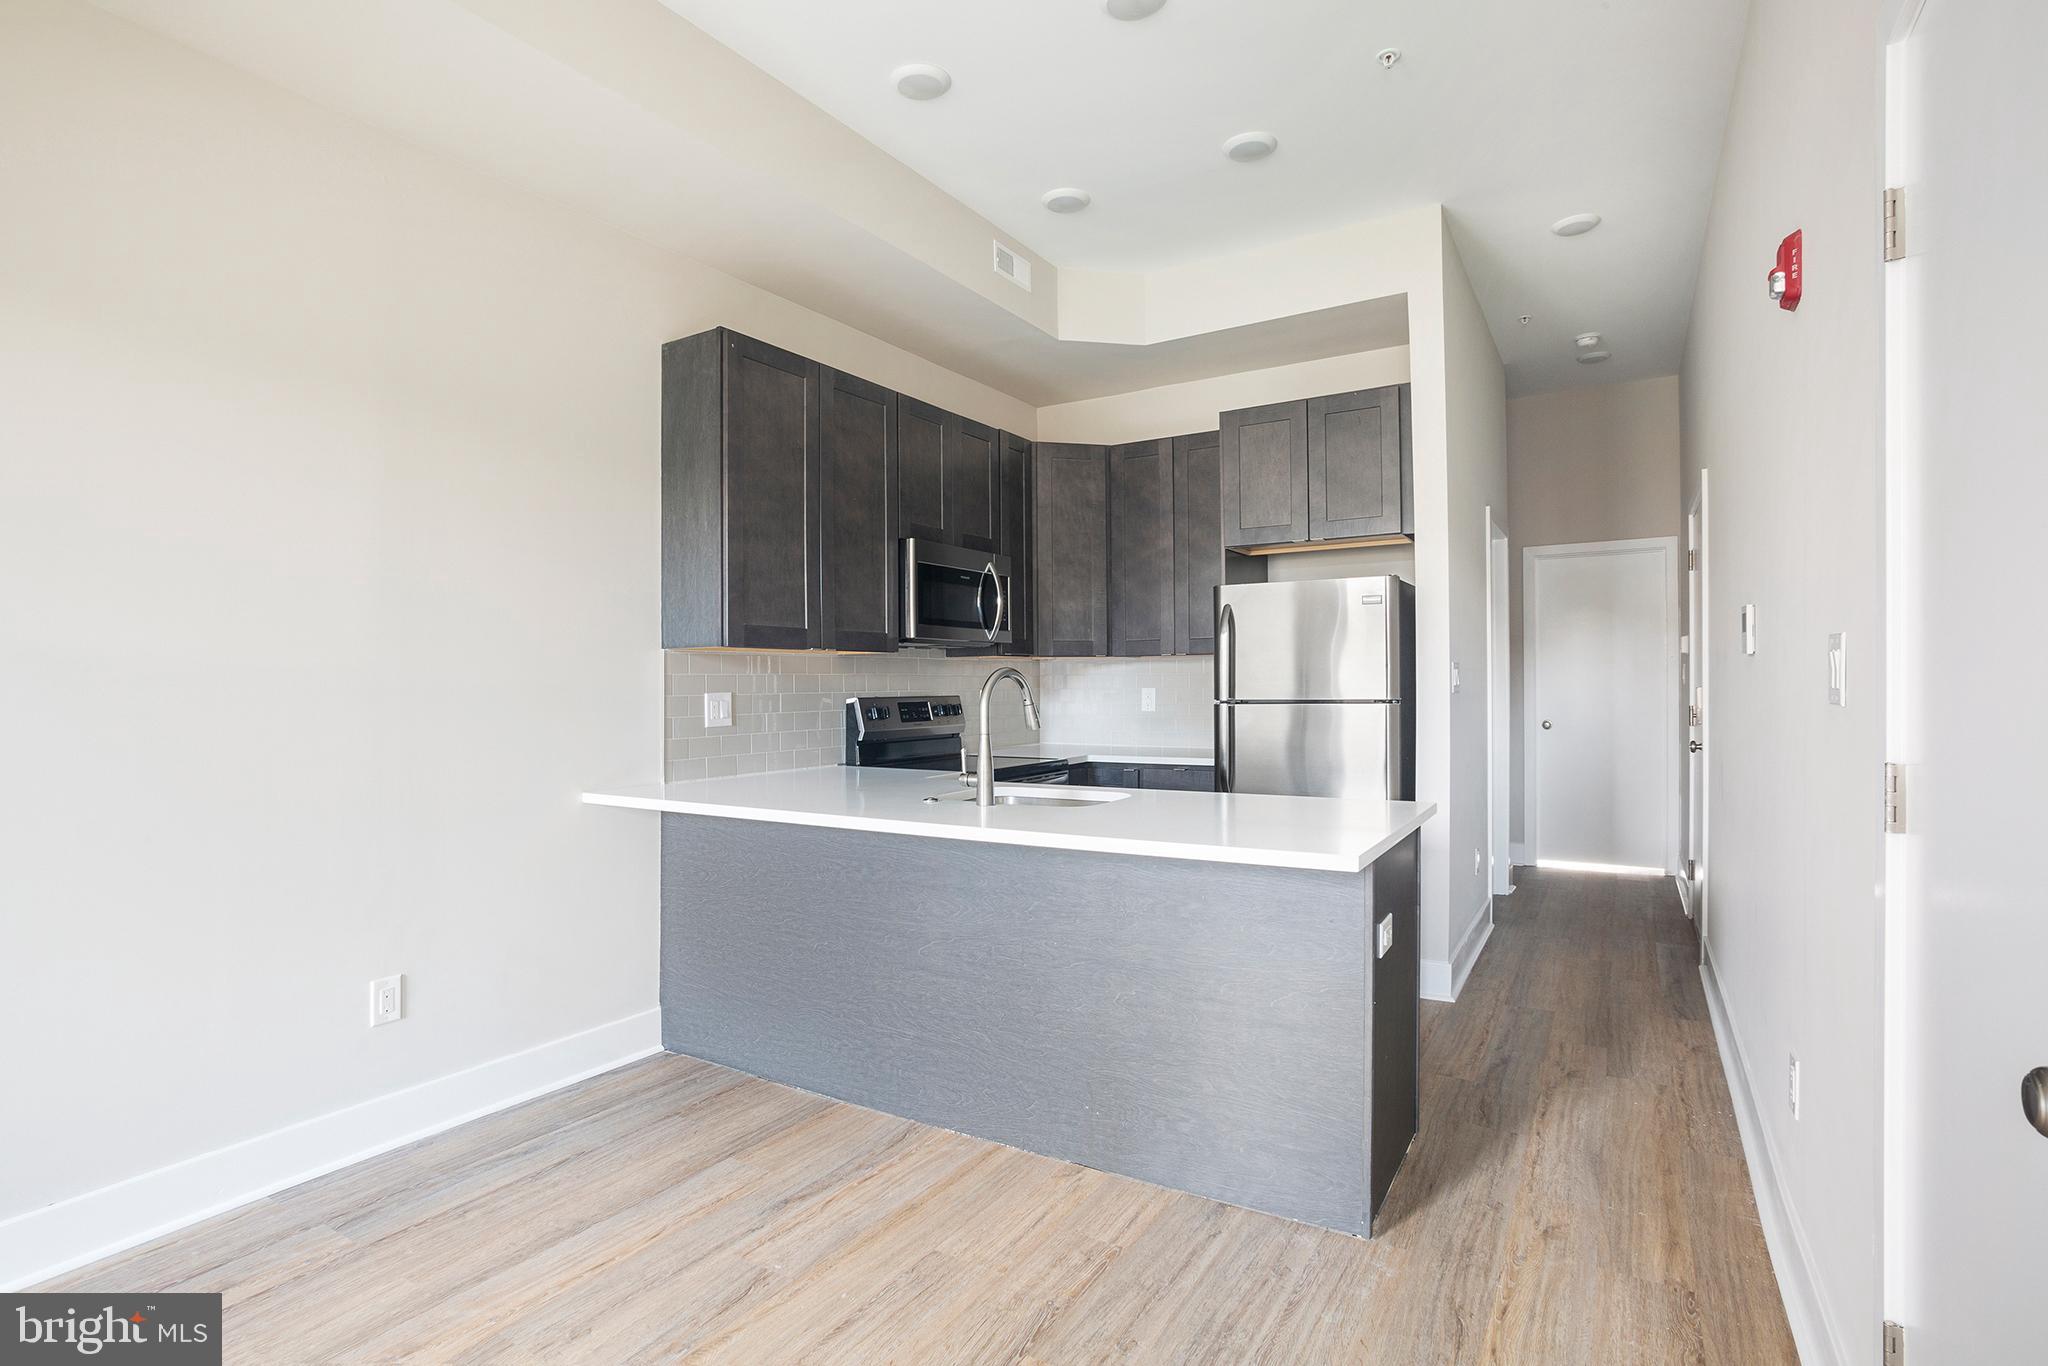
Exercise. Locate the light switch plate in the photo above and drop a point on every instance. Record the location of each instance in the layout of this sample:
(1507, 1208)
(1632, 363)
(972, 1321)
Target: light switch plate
(1838, 671)
(1386, 936)
(717, 709)
(1457, 678)
(1749, 628)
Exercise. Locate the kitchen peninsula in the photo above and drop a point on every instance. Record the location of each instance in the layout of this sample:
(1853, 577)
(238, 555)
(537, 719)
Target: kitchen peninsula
(1210, 991)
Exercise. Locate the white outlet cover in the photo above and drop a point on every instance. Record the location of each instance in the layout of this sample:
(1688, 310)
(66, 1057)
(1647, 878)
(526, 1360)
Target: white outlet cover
(387, 1000)
(1838, 670)
(717, 709)
(1457, 679)
(1148, 699)
(1749, 628)
(1792, 1087)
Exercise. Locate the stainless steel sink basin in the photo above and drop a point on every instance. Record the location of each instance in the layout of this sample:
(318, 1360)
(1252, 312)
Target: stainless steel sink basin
(1055, 797)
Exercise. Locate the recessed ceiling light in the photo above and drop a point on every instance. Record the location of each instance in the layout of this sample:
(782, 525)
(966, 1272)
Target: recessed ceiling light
(921, 81)
(1132, 9)
(1250, 146)
(1067, 200)
(1576, 225)
(1593, 357)
(1586, 341)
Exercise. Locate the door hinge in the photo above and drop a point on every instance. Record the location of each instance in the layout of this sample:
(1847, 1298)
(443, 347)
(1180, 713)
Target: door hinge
(1894, 237)
(1894, 801)
(1894, 1344)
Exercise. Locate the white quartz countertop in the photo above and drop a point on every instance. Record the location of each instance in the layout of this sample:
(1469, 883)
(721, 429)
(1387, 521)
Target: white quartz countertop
(1325, 834)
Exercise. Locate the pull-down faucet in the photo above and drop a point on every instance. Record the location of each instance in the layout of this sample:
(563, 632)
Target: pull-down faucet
(985, 762)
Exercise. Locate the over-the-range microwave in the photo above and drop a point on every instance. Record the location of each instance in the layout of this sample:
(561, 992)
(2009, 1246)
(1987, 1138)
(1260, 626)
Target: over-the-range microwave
(953, 596)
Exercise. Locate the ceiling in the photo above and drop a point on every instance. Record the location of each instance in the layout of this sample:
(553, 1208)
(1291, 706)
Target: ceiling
(1510, 114)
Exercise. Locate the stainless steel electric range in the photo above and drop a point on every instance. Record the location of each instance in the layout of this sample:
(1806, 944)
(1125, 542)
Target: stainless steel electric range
(925, 732)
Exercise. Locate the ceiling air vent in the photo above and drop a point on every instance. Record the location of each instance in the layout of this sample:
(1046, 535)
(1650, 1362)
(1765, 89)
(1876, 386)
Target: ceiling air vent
(1012, 267)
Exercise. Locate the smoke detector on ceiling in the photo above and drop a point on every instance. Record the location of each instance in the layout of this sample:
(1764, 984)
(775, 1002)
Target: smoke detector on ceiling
(1250, 146)
(1576, 225)
(1067, 200)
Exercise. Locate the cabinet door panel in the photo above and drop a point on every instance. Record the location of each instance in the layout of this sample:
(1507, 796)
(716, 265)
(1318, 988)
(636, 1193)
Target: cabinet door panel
(970, 484)
(1013, 532)
(1070, 534)
(1265, 475)
(1178, 778)
(1354, 465)
(771, 504)
(1141, 548)
(1197, 542)
(920, 469)
(856, 540)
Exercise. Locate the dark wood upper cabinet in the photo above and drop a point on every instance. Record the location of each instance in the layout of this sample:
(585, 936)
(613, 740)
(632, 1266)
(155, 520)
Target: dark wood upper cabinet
(1070, 535)
(970, 499)
(1357, 479)
(1141, 548)
(945, 476)
(740, 505)
(1013, 532)
(857, 561)
(1264, 458)
(920, 469)
(1335, 468)
(1197, 542)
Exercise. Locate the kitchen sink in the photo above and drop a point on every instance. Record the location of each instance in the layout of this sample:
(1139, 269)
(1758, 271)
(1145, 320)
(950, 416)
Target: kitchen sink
(1053, 798)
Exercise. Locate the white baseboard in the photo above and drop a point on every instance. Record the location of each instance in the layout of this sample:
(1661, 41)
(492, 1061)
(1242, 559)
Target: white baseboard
(1684, 893)
(1791, 1257)
(56, 1238)
(1518, 854)
(1443, 979)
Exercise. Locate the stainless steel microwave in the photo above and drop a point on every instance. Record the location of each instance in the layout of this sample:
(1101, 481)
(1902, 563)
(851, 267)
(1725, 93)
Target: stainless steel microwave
(954, 596)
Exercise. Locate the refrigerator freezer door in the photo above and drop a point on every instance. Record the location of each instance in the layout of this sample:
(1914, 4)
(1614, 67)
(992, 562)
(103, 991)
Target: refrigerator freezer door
(1319, 639)
(1310, 749)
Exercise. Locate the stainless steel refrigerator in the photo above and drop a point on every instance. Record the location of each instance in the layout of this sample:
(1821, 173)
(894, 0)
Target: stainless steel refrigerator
(1314, 688)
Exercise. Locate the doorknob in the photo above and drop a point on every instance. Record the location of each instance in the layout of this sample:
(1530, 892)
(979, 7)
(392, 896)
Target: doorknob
(1546, 725)
(2034, 1098)
(1695, 746)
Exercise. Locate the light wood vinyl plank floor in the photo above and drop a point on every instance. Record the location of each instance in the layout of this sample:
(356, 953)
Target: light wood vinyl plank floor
(1576, 1195)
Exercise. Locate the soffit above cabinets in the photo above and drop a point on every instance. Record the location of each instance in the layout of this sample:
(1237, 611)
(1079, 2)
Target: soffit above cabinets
(1510, 114)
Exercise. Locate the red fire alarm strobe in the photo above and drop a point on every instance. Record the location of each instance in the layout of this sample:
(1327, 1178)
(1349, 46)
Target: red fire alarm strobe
(1787, 277)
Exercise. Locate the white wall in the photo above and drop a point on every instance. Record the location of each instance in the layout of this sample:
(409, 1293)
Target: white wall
(331, 519)
(1475, 478)
(1783, 410)
(1592, 464)
(1177, 409)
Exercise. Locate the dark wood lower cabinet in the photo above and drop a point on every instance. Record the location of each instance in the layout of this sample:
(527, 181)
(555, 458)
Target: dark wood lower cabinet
(1157, 777)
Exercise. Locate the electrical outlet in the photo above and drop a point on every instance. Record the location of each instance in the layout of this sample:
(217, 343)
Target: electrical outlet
(387, 1000)
(1148, 699)
(717, 709)
(1792, 1086)
(1838, 670)
(1386, 937)
(1748, 620)
(1476, 864)
(1457, 678)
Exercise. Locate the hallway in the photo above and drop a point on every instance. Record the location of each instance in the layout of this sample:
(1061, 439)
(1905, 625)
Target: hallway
(1576, 1194)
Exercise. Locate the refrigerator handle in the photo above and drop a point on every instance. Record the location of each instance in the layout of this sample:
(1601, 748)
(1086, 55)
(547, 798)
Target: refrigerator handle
(1226, 654)
(1226, 689)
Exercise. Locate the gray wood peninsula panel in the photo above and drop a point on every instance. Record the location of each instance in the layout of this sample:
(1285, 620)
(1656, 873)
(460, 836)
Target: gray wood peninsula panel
(1218, 1028)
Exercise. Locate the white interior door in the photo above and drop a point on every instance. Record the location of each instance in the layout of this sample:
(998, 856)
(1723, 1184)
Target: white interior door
(1966, 1207)
(1600, 649)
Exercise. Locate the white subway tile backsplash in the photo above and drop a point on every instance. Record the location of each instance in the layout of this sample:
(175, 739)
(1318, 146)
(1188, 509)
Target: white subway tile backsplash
(788, 709)
(1098, 701)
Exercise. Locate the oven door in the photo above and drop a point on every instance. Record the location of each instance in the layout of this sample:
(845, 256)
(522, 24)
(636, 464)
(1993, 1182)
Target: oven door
(953, 596)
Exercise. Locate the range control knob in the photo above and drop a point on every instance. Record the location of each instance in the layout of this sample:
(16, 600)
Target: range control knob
(878, 713)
